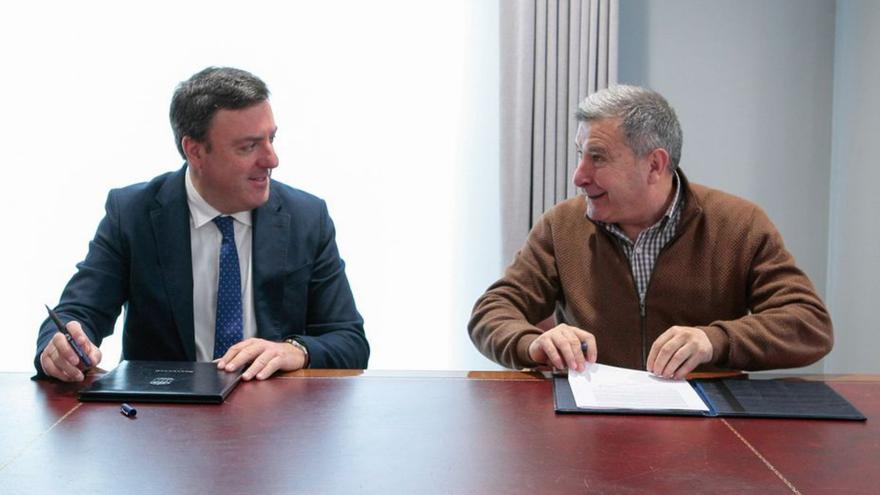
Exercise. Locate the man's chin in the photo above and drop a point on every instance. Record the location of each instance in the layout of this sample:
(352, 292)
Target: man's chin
(260, 202)
(591, 211)
(253, 203)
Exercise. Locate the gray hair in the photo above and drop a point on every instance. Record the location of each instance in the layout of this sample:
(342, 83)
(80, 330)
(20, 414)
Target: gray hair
(197, 99)
(647, 120)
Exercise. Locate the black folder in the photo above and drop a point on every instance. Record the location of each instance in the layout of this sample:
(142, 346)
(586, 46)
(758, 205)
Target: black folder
(163, 381)
(771, 398)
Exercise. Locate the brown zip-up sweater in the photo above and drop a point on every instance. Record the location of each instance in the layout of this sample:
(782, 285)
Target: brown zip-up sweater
(726, 272)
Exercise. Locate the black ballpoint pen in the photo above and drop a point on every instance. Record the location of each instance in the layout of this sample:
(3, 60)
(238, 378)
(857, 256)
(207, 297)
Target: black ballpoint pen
(63, 329)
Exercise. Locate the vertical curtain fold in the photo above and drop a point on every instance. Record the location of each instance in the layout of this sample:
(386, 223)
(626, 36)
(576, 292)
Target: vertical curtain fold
(553, 54)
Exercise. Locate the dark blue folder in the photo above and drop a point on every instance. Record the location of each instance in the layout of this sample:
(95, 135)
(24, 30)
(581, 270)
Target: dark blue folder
(770, 398)
(162, 381)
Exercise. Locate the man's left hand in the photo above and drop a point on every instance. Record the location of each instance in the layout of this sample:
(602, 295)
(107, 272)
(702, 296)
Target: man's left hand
(678, 351)
(265, 358)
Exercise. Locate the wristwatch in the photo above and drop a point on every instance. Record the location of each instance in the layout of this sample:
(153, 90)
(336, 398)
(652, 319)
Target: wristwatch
(299, 345)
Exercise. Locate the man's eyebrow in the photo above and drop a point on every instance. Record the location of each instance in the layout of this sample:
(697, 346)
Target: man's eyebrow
(248, 139)
(255, 139)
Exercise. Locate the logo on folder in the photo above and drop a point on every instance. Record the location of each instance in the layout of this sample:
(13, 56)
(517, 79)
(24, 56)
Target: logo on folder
(162, 380)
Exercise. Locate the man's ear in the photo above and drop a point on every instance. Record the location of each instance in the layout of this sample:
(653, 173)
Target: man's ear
(194, 151)
(658, 164)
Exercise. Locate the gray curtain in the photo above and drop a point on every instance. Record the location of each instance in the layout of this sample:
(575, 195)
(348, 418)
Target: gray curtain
(553, 54)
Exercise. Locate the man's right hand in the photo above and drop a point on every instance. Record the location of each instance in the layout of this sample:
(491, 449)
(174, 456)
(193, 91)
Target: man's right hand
(561, 347)
(59, 360)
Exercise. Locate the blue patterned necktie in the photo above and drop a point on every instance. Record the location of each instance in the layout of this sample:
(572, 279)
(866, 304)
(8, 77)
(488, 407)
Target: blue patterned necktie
(229, 328)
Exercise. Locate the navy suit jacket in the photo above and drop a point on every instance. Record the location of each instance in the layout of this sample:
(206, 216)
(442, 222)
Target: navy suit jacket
(141, 259)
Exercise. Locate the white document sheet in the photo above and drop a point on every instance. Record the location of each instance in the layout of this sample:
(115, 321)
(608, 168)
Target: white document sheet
(608, 387)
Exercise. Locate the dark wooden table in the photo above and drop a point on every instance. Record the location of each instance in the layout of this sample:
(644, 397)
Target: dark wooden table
(418, 432)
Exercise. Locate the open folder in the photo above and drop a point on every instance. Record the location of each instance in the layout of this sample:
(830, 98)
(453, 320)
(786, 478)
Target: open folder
(611, 390)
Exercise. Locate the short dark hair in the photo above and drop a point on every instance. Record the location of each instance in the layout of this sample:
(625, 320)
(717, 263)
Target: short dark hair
(197, 99)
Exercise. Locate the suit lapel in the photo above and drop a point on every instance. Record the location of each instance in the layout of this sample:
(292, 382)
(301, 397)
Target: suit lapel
(170, 219)
(270, 243)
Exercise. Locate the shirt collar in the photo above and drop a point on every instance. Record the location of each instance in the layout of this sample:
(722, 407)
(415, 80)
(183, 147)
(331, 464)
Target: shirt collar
(675, 200)
(200, 212)
(674, 205)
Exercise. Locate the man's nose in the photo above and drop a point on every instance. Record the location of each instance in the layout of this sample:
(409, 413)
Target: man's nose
(583, 174)
(269, 159)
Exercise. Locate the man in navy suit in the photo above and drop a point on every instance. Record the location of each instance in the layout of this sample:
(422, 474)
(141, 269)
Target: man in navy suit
(161, 251)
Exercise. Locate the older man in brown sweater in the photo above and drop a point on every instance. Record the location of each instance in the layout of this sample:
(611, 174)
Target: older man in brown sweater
(648, 270)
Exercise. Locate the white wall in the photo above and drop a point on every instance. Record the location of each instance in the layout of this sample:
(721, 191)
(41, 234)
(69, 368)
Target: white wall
(387, 109)
(854, 271)
(751, 81)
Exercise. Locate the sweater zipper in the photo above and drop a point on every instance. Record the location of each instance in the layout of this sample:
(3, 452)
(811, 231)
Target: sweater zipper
(644, 327)
(643, 311)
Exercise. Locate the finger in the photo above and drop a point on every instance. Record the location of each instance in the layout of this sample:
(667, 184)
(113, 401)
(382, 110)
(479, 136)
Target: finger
(58, 365)
(69, 371)
(688, 366)
(580, 357)
(49, 367)
(675, 361)
(665, 351)
(257, 365)
(592, 351)
(578, 353)
(234, 351)
(244, 356)
(223, 360)
(64, 357)
(662, 360)
(95, 355)
(270, 368)
(536, 352)
(61, 350)
(564, 343)
(82, 340)
(553, 357)
(655, 363)
(586, 344)
(77, 332)
(571, 341)
(230, 353)
(655, 348)
(652, 357)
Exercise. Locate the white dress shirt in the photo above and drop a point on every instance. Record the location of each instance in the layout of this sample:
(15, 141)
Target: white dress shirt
(205, 239)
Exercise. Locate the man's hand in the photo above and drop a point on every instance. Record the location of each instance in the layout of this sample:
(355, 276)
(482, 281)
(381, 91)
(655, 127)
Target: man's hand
(678, 351)
(561, 347)
(266, 357)
(59, 360)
